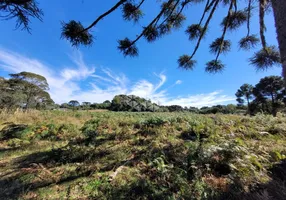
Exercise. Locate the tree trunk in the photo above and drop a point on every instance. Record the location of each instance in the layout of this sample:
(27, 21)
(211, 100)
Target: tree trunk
(274, 110)
(248, 109)
(28, 103)
(279, 10)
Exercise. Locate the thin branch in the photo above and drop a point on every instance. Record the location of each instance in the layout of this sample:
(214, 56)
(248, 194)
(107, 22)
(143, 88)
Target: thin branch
(225, 28)
(139, 5)
(248, 16)
(180, 11)
(177, 15)
(151, 23)
(104, 15)
(20, 2)
(235, 5)
(262, 4)
(210, 5)
(205, 27)
(205, 11)
(175, 6)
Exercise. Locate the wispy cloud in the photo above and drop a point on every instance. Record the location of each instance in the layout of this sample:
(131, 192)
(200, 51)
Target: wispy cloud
(148, 90)
(63, 84)
(82, 71)
(66, 83)
(178, 82)
(201, 100)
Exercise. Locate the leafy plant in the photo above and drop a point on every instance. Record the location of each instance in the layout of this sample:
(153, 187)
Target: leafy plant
(89, 129)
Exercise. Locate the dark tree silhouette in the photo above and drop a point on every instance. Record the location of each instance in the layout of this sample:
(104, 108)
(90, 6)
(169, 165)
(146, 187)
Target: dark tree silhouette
(21, 10)
(271, 87)
(245, 92)
(74, 104)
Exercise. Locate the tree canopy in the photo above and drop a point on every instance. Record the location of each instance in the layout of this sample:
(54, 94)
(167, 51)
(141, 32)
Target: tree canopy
(271, 88)
(171, 16)
(21, 10)
(24, 89)
(32, 78)
(269, 95)
(132, 103)
(244, 93)
(73, 103)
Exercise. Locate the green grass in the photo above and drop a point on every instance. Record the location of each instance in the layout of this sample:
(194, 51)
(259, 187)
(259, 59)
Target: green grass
(107, 155)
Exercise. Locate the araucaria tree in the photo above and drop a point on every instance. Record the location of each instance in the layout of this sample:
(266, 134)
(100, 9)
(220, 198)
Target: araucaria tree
(74, 104)
(171, 16)
(271, 87)
(21, 10)
(245, 93)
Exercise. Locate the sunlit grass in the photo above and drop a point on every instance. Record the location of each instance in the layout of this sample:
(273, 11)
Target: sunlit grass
(108, 155)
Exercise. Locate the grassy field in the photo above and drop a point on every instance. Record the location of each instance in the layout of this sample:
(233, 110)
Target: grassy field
(107, 155)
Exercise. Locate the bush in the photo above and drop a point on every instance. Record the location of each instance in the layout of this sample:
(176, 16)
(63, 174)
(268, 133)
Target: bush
(15, 143)
(90, 128)
(66, 131)
(14, 131)
(155, 121)
(45, 132)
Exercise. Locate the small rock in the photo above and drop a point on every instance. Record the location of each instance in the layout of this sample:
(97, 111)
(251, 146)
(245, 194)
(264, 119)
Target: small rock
(263, 133)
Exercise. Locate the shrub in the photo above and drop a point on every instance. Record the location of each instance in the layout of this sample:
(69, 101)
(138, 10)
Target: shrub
(46, 132)
(15, 143)
(90, 128)
(155, 121)
(66, 131)
(14, 131)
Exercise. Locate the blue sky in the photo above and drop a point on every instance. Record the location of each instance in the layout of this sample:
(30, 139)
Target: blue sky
(99, 72)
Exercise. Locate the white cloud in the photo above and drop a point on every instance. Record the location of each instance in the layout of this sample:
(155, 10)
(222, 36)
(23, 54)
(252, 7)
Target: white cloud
(148, 90)
(201, 100)
(65, 84)
(62, 84)
(81, 72)
(178, 82)
(163, 79)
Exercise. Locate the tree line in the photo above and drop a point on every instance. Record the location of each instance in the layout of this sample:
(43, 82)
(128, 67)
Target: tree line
(132, 103)
(268, 96)
(30, 91)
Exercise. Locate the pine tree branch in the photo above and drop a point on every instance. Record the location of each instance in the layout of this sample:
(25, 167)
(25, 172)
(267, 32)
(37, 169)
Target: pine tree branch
(210, 5)
(151, 23)
(235, 5)
(225, 29)
(205, 27)
(19, 2)
(205, 11)
(175, 6)
(248, 16)
(104, 15)
(139, 5)
(262, 4)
